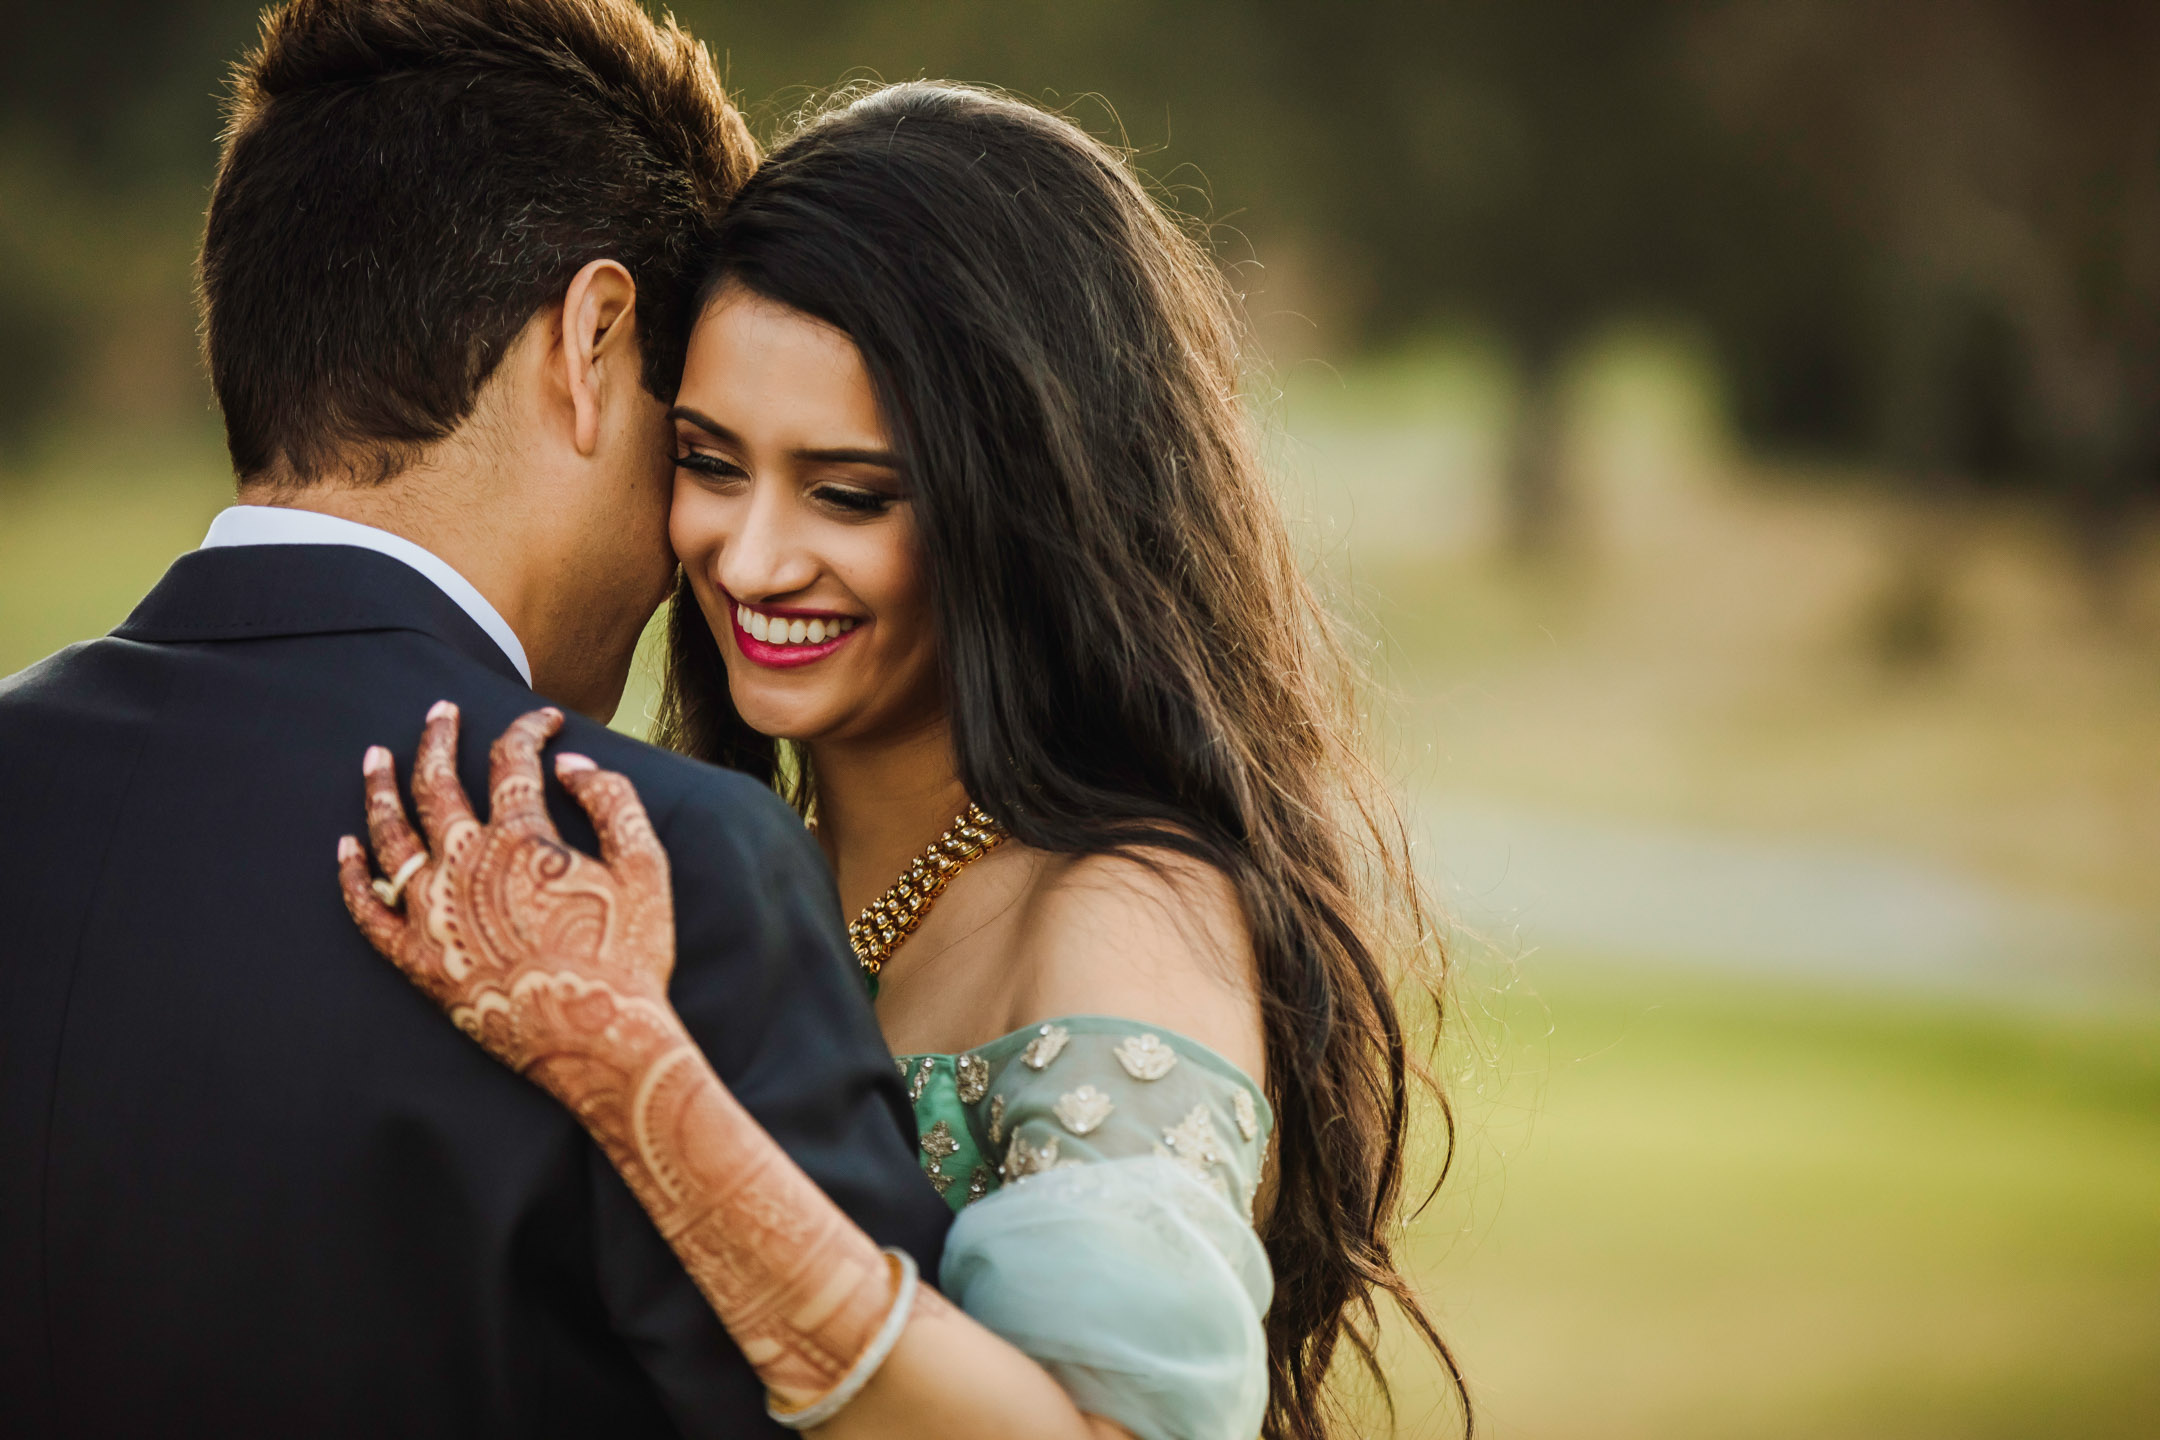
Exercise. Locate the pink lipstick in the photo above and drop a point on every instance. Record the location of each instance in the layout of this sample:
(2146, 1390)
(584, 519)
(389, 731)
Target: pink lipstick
(789, 637)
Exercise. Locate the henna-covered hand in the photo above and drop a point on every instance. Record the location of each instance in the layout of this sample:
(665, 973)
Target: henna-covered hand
(532, 948)
(558, 964)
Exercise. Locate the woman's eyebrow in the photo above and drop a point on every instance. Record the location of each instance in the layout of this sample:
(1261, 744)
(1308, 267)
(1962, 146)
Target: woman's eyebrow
(704, 422)
(840, 455)
(885, 459)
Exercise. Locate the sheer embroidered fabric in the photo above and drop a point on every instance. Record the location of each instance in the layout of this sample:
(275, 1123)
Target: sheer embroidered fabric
(1104, 1174)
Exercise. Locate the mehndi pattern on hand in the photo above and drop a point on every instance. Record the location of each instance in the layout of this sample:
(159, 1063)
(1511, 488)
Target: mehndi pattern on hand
(558, 964)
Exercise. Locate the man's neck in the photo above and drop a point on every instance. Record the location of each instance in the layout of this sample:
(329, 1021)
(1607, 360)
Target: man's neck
(440, 525)
(880, 803)
(440, 521)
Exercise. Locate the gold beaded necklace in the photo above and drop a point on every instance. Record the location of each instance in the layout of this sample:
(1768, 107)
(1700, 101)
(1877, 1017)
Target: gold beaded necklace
(893, 916)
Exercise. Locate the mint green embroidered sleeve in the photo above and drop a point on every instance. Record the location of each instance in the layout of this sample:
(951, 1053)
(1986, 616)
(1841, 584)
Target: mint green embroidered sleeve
(1115, 1243)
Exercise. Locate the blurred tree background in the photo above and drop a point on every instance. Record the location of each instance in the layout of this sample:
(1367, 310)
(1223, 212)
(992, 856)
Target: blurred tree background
(1925, 232)
(1737, 424)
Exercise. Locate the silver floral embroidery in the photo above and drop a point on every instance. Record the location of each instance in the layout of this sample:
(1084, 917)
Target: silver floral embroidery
(1081, 1110)
(1241, 1109)
(922, 1078)
(1145, 1057)
(979, 1183)
(997, 1119)
(1045, 1046)
(1194, 1144)
(1023, 1159)
(902, 1064)
(972, 1074)
(939, 1145)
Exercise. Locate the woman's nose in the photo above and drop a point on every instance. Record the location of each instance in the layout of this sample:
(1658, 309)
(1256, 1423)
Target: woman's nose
(765, 557)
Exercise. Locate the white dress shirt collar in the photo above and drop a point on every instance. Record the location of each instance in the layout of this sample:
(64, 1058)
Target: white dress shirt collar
(281, 525)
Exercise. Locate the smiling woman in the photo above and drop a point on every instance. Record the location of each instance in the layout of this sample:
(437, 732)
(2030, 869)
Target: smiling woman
(960, 380)
(794, 526)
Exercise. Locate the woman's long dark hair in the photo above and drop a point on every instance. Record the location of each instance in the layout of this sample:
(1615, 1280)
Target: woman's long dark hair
(1132, 657)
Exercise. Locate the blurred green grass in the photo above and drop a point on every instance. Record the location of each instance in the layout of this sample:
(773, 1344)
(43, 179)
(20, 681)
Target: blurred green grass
(86, 534)
(1688, 1207)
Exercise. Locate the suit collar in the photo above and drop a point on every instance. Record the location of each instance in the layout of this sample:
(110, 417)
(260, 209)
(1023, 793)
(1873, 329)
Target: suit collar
(291, 525)
(254, 592)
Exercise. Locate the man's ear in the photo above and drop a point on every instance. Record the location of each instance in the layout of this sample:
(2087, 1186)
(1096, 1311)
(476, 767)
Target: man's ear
(599, 343)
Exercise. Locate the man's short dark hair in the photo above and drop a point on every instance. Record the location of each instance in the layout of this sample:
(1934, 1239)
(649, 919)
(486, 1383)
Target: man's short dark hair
(406, 183)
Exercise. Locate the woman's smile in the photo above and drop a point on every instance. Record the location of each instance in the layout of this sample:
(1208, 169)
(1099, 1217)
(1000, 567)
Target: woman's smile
(781, 638)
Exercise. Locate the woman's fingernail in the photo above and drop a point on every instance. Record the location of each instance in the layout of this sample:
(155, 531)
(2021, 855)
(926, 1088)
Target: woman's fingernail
(573, 765)
(347, 848)
(377, 758)
(553, 714)
(442, 710)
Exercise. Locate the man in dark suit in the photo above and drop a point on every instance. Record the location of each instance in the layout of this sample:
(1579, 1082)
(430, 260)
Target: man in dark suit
(251, 1182)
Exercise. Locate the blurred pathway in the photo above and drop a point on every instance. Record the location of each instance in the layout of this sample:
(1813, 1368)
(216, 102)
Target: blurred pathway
(1525, 879)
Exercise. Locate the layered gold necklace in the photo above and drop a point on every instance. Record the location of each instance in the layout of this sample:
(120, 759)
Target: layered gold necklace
(893, 916)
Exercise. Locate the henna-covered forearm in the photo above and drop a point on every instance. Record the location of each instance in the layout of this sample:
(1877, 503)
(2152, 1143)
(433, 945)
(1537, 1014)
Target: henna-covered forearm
(797, 1284)
(801, 1288)
(558, 965)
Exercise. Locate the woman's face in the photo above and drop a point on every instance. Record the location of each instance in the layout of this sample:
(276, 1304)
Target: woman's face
(793, 521)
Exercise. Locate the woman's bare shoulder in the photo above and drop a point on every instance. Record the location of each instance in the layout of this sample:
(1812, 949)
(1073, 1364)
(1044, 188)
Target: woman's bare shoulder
(1155, 936)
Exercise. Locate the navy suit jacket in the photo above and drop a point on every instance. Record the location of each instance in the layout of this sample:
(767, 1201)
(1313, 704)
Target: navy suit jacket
(254, 1184)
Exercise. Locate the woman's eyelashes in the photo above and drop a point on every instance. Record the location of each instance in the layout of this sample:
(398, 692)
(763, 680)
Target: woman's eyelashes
(853, 500)
(701, 463)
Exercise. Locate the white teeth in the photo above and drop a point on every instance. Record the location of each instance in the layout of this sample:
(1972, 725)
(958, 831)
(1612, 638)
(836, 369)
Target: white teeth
(773, 630)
